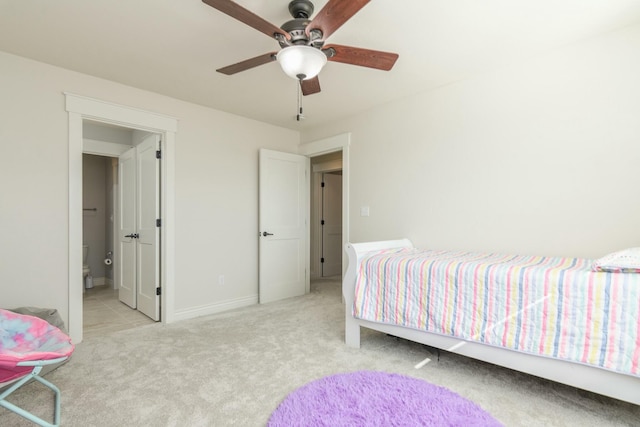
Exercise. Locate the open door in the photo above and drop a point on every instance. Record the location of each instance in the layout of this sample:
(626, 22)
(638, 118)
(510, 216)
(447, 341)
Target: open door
(283, 204)
(125, 266)
(148, 227)
(331, 225)
(139, 230)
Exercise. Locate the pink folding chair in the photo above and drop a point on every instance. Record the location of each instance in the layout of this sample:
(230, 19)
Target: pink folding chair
(27, 344)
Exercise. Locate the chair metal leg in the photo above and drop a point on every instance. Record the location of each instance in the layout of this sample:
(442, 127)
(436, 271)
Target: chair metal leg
(28, 415)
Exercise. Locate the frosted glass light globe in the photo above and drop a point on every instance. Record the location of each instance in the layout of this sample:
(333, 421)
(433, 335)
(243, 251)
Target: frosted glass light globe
(301, 62)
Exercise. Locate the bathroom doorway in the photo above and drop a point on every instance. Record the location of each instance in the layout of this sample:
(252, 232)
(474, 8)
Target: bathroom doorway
(82, 108)
(103, 311)
(326, 215)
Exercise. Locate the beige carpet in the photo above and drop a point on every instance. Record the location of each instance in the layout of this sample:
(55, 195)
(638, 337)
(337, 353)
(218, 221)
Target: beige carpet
(233, 369)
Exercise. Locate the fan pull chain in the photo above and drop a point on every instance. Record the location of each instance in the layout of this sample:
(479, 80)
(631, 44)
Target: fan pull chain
(300, 115)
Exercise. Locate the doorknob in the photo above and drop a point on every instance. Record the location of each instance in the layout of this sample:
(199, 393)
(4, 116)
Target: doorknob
(133, 236)
(265, 234)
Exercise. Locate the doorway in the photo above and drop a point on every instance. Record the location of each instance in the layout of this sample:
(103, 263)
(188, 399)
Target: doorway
(81, 108)
(104, 194)
(326, 215)
(338, 144)
(328, 155)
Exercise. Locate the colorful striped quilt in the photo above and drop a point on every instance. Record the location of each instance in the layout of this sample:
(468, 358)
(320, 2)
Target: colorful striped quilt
(555, 307)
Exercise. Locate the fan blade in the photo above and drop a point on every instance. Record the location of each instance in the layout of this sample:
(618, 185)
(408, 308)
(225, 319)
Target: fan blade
(238, 12)
(249, 63)
(362, 57)
(310, 86)
(333, 15)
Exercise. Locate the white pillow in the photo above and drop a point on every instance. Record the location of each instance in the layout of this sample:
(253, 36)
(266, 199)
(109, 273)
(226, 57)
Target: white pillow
(625, 261)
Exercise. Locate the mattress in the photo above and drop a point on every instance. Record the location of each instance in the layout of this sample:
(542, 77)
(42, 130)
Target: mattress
(547, 306)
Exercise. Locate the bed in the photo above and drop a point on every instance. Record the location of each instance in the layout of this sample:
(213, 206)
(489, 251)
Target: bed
(554, 318)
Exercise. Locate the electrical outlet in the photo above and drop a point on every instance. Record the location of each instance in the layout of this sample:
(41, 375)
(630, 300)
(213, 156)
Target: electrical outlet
(221, 279)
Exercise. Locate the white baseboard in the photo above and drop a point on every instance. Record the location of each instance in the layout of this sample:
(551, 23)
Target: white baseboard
(102, 281)
(219, 307)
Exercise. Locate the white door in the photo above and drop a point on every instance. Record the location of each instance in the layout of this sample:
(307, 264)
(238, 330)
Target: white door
(125, 265)
(331, 225)
(139, 235)
(147, 212)
(283, 204)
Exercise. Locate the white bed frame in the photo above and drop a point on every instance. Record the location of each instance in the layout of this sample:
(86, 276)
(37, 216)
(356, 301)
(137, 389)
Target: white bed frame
(601, 381)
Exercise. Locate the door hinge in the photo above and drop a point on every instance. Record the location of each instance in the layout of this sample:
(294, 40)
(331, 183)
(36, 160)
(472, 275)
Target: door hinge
(321, 259)
(322, 184)
(322, 222)
(158, 154)
(158, 222)
(158, 291)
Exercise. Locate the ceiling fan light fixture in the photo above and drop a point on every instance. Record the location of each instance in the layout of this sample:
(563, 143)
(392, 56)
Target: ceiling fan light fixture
(301, 62)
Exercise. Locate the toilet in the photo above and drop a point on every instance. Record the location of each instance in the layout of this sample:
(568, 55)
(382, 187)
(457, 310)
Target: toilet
(87, 280)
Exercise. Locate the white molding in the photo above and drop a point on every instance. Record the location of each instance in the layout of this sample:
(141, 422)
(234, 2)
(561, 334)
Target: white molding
(102, 281)
(76, 285)
(219, 307)
(167, 249)
(107, 112)
(83, 108)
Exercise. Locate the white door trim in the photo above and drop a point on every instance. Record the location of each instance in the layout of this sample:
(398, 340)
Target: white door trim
(79, 109)
(329, 145)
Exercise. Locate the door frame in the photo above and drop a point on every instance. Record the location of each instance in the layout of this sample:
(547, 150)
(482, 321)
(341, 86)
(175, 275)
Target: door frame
(339, 142)
(81, 108)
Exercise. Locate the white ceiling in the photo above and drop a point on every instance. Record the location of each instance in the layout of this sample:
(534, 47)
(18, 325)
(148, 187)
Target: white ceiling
(173, 47)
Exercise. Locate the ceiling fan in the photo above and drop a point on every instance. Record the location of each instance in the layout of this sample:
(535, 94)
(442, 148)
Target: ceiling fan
(302, 40)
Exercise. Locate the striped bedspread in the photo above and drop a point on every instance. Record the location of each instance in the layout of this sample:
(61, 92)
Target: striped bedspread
(555, 307)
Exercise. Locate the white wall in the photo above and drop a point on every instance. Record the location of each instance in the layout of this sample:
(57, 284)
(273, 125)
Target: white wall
(216, 188)
(540, 157)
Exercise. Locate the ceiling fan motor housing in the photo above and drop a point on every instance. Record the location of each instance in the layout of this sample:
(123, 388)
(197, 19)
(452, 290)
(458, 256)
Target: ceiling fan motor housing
(301, 8)
(296, 29)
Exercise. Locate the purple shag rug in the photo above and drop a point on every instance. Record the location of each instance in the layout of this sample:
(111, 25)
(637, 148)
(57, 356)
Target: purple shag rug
(369, 398)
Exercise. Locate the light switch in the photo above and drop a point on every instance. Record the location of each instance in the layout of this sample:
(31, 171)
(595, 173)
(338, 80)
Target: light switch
(364, 210)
